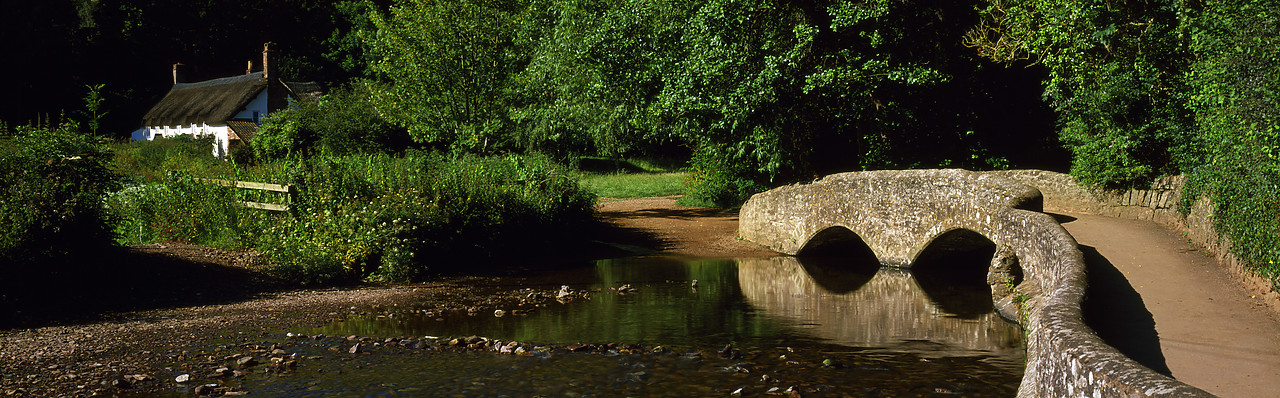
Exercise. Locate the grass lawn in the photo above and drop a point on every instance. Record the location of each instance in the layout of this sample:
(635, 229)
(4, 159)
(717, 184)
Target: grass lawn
(634, 185)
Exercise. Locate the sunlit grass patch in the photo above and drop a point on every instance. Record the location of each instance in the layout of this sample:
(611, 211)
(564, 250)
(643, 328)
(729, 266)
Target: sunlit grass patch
(635, 185)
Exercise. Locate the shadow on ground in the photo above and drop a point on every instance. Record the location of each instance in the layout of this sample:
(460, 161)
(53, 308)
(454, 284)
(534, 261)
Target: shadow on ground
(612, 232)
(683, 213)
(1117, 313)
(117, 280)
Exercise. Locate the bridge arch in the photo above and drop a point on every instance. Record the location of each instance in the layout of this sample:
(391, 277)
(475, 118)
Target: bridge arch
(952, 270)
(838, 259)
(959, 245)
(835, 241)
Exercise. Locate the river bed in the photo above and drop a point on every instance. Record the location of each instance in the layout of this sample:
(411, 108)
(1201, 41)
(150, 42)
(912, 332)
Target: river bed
(666, 326)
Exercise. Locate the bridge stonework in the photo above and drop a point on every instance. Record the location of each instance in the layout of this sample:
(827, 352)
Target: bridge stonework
(900, 213)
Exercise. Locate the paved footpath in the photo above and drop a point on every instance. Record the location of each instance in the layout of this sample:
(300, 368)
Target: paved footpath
(1208, 332)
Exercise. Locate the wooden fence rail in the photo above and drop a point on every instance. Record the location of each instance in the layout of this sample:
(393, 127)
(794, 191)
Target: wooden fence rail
(289, 190)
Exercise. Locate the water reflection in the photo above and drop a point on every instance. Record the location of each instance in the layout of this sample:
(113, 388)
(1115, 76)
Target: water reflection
(789, 317)
(887, 310)
(752, 302)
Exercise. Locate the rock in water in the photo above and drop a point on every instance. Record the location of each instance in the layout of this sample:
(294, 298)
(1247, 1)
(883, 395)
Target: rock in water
(207, 389)
(729, 353)
(182, 378)
(355, 349)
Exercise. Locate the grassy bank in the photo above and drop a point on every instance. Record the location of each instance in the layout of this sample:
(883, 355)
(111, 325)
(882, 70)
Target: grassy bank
(358, 217)
(631, 178)
(366, 217)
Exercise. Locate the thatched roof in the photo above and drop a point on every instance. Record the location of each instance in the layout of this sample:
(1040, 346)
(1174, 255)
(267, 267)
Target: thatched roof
(305, 91)
(210, 101)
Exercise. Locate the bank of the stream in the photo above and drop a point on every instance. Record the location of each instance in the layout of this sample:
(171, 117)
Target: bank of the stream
(196, 332)
(167, 304)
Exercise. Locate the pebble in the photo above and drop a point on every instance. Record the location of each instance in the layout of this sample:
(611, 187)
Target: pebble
(117, 383)
(355, 349)
(139, 378)
(207, 389)
(182, 378)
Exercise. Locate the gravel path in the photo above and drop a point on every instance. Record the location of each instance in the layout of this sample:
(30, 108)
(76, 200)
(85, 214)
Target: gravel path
(1173, 308)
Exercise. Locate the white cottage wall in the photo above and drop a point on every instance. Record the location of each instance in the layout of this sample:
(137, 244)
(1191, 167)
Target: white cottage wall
(256, 109)
(221, 133)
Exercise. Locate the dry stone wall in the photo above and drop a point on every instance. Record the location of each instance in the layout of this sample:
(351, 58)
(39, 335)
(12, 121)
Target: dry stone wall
(898, 213)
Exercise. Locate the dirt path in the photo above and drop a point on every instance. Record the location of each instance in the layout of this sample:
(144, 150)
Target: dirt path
(1163, 302)
(659, 225)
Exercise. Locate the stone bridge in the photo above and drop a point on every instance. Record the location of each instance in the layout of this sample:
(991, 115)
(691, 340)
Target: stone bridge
(926, 218)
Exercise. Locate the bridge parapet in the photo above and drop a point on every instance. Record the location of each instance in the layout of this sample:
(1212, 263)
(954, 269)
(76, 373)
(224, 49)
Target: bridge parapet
(900, 213)
(895, 212)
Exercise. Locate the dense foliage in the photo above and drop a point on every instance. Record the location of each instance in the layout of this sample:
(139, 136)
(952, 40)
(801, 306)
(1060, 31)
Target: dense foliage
(1157, 87)
(760, 92)
(155, 160)
(54, 183)
(371, 216)
(756, 93)
(343, 122)
(1113, 77)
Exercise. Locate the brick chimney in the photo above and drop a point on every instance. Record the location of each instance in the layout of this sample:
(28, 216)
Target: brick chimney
(268, 66)
(177, 73)
(277, 96)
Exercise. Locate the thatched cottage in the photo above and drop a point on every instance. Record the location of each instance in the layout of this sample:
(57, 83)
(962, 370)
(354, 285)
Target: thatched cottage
(229, 109)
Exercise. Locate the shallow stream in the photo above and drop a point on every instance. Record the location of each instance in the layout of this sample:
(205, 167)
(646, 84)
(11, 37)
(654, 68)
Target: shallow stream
(821, 328)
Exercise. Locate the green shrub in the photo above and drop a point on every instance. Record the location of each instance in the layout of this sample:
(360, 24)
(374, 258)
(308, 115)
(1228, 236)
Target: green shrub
(378, 217)
(1245, 189)
(151, 161)
(371, 217)
(719, 181)
(1234, 91)
(343, 122)
(55, 182)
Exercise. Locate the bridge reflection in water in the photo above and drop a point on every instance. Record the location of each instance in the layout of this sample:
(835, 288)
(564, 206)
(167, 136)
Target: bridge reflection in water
(884, 308)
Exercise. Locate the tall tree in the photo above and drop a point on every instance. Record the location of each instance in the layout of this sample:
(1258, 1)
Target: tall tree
(1114, 78)
(447, 62)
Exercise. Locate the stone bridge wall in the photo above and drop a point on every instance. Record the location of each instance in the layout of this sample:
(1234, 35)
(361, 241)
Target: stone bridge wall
(899, 213)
